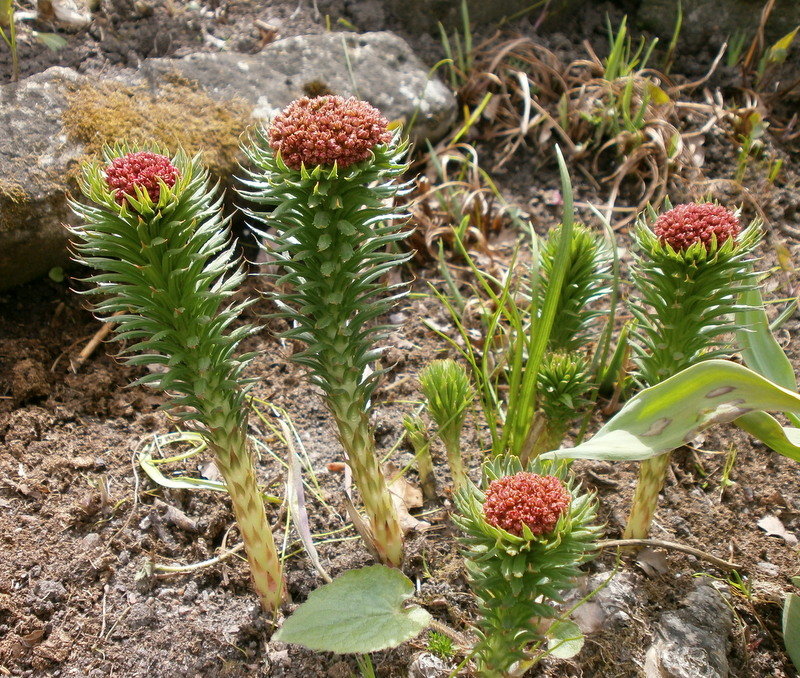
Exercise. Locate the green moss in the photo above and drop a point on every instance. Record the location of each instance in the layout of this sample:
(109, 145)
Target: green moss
(179, 114)
(13, 201)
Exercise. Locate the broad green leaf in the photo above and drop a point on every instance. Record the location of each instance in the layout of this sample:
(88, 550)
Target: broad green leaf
(791, 628)
(361, 611)
(666, 416)
(760, 351)
(564, 639)
(784, 440)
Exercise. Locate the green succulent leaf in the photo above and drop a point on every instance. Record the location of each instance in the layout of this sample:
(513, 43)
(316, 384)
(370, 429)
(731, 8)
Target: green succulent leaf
(587, 279)
(331, 235)
(448, 392)
(668, 415)
(360, 611)
(166, 272)
(759, 348)
(791, 627)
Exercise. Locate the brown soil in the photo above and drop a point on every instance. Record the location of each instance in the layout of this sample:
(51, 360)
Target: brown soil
(81, 524)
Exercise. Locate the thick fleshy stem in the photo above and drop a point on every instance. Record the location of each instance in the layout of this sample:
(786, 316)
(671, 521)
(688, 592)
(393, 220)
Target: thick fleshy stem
(652, 473)
(357, 439)
(234, 459)
(418, 435)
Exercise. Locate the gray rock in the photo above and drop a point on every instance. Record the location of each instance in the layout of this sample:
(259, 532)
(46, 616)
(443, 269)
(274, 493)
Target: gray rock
(39, 158)
(46, 595)
(692, 642)
(34, 154)
(49, 590)
(427, 665)
(141, 615)
(91, 542)
(703, 19)
(612, 605)
(378, 67)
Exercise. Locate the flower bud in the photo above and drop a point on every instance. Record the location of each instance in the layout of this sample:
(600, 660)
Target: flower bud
(526, 499)
(142, 169)
(684, 225)
(327, 130)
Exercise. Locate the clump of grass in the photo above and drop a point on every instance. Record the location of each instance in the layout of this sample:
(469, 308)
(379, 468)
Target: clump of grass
(441, 645)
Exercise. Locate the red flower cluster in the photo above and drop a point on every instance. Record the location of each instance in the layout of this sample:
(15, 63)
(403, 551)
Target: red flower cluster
(142, 169)
(327, 129)
(526, 498)
(684, 225)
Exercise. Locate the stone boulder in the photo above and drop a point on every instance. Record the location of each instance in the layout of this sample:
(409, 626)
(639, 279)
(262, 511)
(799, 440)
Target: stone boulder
(720, 19)
(204, 102)
(692, 642)
(34, 154)
(379, 67)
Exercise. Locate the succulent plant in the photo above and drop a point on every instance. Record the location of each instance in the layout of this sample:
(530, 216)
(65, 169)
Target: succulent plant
(417, 433)
(689, 273)
(586, 281)
(327, 168)
(525, 537)
(166, 274)
(564, 382)
(448, 393)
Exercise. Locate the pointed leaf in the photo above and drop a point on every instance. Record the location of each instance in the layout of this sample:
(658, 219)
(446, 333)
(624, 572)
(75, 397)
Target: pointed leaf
(782, 439)
(791, 627)
(758, 346)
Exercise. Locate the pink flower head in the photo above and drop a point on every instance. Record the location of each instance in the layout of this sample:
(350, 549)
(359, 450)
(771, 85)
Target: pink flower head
(328, 129)
(684, 225)
(142, 169)
(526, 498)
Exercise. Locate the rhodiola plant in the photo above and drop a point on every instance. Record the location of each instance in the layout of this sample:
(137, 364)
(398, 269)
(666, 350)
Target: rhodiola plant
(690, 270)
(448, 393)
(166, 274)
(328, 167)
(525, 535)
(694, 275)
(530, 366)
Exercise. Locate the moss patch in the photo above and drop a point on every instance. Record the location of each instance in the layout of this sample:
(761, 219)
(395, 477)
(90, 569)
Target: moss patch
(13, 199)
(179, 114)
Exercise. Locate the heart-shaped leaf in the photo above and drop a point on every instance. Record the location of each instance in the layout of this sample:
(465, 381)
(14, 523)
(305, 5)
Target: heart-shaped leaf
(360, 611)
